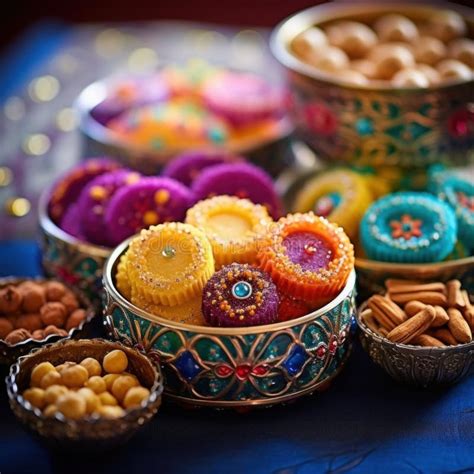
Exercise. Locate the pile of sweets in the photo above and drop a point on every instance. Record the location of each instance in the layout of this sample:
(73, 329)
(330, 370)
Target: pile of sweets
(36, 310)
(195, 106)
(404, 227)
(392, 51)
(230, 264)
(90, 389)
(102, 203)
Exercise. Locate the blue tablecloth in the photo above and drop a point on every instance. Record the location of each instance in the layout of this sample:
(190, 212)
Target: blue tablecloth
(364, 423)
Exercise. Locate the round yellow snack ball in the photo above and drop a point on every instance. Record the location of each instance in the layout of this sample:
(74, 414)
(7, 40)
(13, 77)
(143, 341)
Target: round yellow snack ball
(106, 398)
(110, 412)
(72, 405)
(122, 385)
(60, 368)
(75, 376)
(53, 392)
(92, 400)
(35, 396)
(395, 27)
(135, 397)
(389, 58)
(309, 41)
(429, 50)
(109, 379)
(463, 50)
(39, 372)
(51, 378)
(354, 38)
(410, 77)
(452, 70)
(96, 384)
(92, 366)
(115, 362)
(50, 411)
(329, 59)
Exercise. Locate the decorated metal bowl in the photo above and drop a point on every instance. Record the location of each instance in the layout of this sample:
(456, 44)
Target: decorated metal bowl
(9, 353)
(271, 154)
(375, 125)
(236, 367)
(426, 367)
(371, 274)
(89, 433)
(68, 259)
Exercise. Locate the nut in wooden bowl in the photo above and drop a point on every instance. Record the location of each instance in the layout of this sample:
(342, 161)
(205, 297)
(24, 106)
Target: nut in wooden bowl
(420, 333)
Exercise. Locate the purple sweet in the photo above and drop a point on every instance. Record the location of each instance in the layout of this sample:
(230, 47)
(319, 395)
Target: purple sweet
(188, 166)
(240, 295)
(68, 187)
(243, 98)
(239, 179)
(71, 224)
(129, 94)
(148, 202)
(94, 200)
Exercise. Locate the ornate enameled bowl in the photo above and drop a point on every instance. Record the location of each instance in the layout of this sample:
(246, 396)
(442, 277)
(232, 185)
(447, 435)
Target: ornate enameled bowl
(90, 433)
(271, 154)
(9, 353)
(427, 367)
(230, 367)
(68, 259)
(375, 125)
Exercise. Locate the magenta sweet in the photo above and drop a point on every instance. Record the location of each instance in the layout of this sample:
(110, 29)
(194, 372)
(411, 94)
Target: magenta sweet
(148, 202)
(187, 167)
(239, 179)
(71, 224)
(240, 295)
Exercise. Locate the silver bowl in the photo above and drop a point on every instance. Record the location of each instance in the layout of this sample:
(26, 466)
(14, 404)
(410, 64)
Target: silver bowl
(374, 125)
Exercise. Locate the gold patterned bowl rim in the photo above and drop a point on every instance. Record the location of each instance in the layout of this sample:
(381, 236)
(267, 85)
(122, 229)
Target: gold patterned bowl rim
(286, 30)
(47, 224)
(156, 389)
(94, 93)
(110, 287)
(85, 302)
(416, 350)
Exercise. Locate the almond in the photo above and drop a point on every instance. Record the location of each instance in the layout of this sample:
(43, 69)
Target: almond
(413, 307)
(444, 335)
(468, 309)
(401, 286)
(368, 319)
(379, 315)
(427, 297)
(458, 326)
(441, 317)
(426, 340)
(455, 298)
(389, 308)
(413, 327)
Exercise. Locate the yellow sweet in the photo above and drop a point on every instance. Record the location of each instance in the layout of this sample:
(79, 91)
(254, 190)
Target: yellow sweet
(135, 396)
(106, 398)
(72, 405)
(91, 399)
(92, 366)
(53, 392)
(234, 227)
(50, 411)
(115, 362)
(39, 372)
(110, 412)
(169, 263)
(109, 379)
(121, 386)
(74, 376)
(35, 396)
(51, 378)
(309, 41)
(96, 384)
(122, 280)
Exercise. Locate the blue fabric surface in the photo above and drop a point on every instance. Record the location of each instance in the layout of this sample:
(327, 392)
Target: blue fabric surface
(364, 423)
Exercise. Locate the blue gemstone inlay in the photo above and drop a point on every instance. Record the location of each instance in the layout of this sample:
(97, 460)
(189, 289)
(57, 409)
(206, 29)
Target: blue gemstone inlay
(241, 290)
(187, 365)
(295, 360)
(364, 126)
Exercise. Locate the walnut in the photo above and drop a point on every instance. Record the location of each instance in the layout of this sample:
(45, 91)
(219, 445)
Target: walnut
(18, 335)
(38, 335)
(52, 329)
(70, 301)
(31, 322)
(6, 327)
(10, 299)
(53, 313)
(33, 298)
(75, 319)
(54, 290)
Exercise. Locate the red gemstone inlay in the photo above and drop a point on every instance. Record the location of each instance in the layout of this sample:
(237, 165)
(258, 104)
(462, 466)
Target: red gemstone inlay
(321, 351)
(333, 346)
(223, 370)
(260, 370)
(242, 371)
(461, 123)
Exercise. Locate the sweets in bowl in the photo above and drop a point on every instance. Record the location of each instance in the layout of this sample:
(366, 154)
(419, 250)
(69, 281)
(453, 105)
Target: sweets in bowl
(225, 337)
(33, 312)
(87, 394)
(416, 328)
(347, 81)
